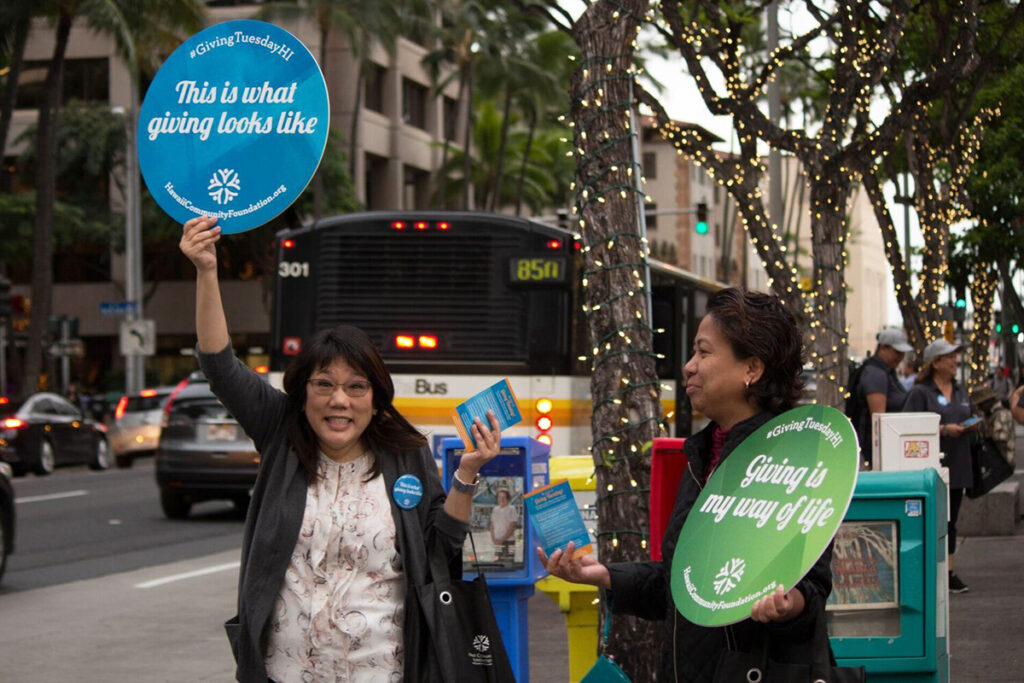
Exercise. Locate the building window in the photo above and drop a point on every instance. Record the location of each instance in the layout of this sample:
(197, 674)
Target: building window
(650, 165)
(451, 119)
(84, 79)
(415, 188)
(376, 179)
(650, 214)
(374, 88)
(414, 103)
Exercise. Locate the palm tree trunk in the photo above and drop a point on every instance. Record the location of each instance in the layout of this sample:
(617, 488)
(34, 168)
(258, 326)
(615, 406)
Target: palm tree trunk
(467, 166)
(10, 94)
(499, 171)
(526, 160)
(46, 182)
(318, 177)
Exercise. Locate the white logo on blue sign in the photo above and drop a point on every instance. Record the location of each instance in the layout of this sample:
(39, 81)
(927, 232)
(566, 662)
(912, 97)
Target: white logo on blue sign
(234, 125)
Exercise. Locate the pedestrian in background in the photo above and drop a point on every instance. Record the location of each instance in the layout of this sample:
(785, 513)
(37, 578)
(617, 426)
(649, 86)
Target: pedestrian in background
(745, 370)
(937, 391)
(878, 388)
(1017, 404)
(332, 556)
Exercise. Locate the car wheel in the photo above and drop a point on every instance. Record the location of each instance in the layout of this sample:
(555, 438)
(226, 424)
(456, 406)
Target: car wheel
(175, 505)
(46, 461)
(123, 461)
(101, 458)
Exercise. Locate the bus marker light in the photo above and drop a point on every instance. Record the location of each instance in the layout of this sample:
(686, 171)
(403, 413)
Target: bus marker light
(421, 225)
(287, 244)
(398, 225)
(554, 244)
(544, 405)
(443, 225)
(544, 423)
(427, 341)
(404, 341)
(544, 438)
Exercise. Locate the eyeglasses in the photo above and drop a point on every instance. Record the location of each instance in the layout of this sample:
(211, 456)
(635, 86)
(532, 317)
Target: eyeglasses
(325, 387)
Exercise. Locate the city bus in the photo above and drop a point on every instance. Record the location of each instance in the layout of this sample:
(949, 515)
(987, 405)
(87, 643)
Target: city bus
(457, 301)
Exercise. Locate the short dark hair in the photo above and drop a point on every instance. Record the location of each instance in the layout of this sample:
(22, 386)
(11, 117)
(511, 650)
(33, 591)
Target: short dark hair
(759, 325)
(388, 430)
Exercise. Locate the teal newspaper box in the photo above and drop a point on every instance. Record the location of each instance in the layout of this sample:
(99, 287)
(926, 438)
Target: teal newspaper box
(504, 539)
(889, 605)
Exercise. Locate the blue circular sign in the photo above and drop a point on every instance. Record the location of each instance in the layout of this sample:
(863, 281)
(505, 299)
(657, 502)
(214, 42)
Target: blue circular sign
(408, 491)
(234, 125)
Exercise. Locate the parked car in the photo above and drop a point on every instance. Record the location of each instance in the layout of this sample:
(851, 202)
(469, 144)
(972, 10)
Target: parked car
(135, 430)
(46, 431)
(202, 453)
(6, 515)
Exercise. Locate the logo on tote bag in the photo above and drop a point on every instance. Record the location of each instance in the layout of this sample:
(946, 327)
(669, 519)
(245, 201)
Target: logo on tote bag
(234, 125)
(766, 515)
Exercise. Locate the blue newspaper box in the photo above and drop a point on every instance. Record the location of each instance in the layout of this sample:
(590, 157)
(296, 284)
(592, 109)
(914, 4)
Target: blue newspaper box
(889, 605)
(503, 537)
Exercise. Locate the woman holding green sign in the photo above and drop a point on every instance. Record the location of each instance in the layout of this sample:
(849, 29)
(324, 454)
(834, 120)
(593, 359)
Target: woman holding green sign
(745, 371)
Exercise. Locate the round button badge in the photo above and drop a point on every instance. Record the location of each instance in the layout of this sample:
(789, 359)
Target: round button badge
(234, 125)
(408, 491)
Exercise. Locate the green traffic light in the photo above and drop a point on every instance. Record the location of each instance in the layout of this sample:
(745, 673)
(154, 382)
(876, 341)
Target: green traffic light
(701, 227)
(961, 303)
(1015, 328)
(999, 328)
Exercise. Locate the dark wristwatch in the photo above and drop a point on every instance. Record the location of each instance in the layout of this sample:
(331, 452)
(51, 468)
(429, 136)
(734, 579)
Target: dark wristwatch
(463, 487)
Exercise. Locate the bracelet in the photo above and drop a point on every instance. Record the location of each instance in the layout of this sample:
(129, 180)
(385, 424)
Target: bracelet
(463, 487)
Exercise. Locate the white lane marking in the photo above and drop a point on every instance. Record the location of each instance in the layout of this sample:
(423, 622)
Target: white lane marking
(51, 496)
(189, 575)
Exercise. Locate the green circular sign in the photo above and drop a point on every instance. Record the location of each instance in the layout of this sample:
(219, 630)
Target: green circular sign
(766, 515)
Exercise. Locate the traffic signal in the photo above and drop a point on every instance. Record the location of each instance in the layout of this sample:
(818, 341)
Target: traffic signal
(961, 298)
(5, 298)
(702, 219)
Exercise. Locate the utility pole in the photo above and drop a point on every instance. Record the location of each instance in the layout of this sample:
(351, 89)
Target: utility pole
(134, 364)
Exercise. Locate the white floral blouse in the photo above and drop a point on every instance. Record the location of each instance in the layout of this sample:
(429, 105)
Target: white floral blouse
(338, 616)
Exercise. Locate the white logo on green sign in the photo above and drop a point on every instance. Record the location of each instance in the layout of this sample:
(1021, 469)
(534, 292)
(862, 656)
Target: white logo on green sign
(766, 515)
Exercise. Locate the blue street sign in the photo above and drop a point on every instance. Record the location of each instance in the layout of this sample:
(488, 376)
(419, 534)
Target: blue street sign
(234, 125)
(117, 308)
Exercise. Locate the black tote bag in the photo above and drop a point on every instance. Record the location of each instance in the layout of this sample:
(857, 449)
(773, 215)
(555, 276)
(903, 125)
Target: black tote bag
(735, 666)
(465, 635)
(990, 467)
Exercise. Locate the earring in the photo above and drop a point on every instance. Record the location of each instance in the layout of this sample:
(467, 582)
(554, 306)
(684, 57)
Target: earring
(746, 382)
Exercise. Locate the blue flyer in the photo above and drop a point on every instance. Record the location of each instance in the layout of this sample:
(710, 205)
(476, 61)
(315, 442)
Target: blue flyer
(234, 125)
(556, 518)
(498, 398)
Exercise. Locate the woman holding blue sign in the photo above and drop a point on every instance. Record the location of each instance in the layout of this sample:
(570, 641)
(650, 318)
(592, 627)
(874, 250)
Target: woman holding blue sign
(347, 508)
(744, 372)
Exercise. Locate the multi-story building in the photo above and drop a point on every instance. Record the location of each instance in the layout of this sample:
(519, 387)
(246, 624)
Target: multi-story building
(400, 128)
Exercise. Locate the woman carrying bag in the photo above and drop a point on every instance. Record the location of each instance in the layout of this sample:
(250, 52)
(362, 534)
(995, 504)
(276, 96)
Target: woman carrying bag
(745, 370)
(348, 514)
(937, 391)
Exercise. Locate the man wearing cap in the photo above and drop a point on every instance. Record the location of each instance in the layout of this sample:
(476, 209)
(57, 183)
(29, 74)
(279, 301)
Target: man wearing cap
(879, 389)
(937, 391)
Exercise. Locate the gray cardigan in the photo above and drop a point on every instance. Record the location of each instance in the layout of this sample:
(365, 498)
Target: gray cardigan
(275, 516)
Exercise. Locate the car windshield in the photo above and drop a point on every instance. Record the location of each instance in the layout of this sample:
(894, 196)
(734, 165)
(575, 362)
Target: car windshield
(139, 403)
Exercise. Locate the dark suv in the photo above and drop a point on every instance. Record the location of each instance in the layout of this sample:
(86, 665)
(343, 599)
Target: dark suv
(203, 454)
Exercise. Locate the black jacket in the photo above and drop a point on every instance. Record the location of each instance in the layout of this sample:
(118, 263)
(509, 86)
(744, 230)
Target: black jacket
(275, 516)
(690, 652)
